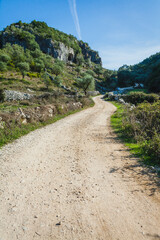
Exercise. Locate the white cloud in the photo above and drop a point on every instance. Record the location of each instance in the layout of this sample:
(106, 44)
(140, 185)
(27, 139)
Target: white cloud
(115, 57)
(73, 9)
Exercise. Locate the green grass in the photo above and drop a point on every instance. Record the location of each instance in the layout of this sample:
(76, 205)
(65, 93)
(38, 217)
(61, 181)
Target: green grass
(8, 107)
(116, 123)
(136, 148)
(15, 131)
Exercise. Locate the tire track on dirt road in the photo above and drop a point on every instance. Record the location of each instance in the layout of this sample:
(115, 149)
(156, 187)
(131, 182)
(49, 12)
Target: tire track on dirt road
(72, 180)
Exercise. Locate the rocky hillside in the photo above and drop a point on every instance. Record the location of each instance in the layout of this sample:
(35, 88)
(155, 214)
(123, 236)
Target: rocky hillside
(37, 35)
(40, 58)
(146, 72)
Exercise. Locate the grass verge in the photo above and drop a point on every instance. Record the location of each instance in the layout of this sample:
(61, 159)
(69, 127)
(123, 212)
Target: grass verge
(8, 135)
(133, 146)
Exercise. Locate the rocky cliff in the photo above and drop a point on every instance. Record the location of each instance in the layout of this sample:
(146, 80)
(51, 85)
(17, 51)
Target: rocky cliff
(50, 41)
(56, 50)
(89, 53)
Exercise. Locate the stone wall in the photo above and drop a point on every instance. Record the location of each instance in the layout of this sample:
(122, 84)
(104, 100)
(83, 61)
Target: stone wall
(15, 95)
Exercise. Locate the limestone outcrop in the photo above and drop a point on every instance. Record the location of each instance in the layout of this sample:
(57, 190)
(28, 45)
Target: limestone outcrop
(65, 47)
(89, 53)
(59, 50)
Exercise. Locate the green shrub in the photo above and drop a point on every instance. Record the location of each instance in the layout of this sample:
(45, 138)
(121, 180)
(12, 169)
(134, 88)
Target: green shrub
(98, 70)
(57, 69)
(32, 75)
(58, 81)
(46, 80)
(23, 67)
(139, 97)
(39, 66)
(26, 82)
(3, 66)
(79, 59)
(152, 148)
(4, 57)
(90, 72)
(78, 69)
(143, 124)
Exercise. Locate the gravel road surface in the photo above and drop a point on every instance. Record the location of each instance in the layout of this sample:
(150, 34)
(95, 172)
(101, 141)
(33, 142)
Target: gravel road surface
(73, 180)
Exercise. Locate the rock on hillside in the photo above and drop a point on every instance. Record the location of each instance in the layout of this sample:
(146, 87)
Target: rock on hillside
(62, 52)
(89, 53)
(49, 40)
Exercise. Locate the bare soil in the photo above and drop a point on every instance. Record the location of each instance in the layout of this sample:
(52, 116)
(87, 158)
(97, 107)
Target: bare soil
(73, 180)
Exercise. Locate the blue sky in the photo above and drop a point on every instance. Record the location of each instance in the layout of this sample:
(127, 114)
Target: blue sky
(123, 31)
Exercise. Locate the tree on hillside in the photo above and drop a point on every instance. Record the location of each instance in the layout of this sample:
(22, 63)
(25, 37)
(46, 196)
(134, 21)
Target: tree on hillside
(79, 59)
(107, 73)
(23, 67)
(60, 63)
(3, 66)
(18, 54)
(86, 83)
(4, 57)
(88, 62)
(78, 70)
(98, 70)
(90, 72)
(57, 69)
(39, 65)
(46, 80)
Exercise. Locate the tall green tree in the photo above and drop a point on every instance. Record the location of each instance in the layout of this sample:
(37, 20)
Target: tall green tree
(86, 83)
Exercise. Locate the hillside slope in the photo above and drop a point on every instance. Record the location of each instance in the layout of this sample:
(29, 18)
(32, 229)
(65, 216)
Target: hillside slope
(146, 72)
(27, 51)
(37, 35)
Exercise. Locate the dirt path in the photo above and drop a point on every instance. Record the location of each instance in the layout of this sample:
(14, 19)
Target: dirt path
(73, 180)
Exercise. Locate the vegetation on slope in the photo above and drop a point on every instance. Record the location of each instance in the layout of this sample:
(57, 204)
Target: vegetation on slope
(38, 111)
(146, 72)
(54, 83)
(139, 128)
(20, 53)
(29, 31)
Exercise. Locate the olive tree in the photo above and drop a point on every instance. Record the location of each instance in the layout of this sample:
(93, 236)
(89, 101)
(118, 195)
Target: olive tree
(3, 66)
(57, 69)
(23, 67)
(4, 57)
(86, 83)
(79, 59)
(46, 80)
